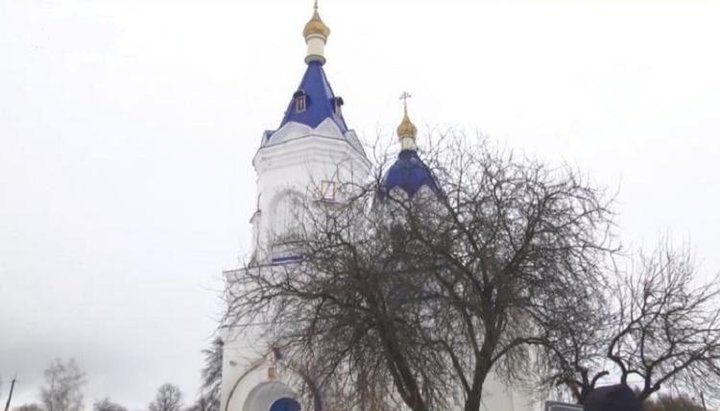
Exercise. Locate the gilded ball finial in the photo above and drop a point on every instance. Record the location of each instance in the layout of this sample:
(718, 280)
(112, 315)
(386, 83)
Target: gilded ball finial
(406, 129)
(316, 26)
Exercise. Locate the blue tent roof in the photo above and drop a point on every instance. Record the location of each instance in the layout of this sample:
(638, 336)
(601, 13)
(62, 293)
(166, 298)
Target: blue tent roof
(409, 173)
(320, 102)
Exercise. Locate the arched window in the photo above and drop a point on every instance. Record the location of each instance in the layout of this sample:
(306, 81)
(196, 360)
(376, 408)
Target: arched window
(286, 213)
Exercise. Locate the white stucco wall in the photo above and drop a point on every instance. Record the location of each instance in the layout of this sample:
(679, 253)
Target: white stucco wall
(290, 165)
(294, 161)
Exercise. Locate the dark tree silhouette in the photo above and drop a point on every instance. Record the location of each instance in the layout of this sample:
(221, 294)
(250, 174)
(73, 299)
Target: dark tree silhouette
(211, 378)
(420, 299)
(658, 327)
(668, 328)
(63, 386)
(168, 398)
(106, 405)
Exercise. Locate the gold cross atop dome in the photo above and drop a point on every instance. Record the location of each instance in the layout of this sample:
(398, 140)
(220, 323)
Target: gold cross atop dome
(406, 129)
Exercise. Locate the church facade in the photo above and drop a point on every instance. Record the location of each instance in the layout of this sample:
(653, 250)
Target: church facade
(309, 155)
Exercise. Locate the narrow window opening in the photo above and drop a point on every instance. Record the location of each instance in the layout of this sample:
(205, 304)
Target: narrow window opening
(300, 104)
(300, 101)
(338, 103)
(328, 190)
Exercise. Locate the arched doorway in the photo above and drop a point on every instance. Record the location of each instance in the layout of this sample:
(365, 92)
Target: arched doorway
(271, 396)
(285, 404)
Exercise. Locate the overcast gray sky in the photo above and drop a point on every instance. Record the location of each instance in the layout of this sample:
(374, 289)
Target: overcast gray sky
(127, 130)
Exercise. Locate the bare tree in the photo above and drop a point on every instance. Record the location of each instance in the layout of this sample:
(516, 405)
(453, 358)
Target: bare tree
(107, 405)
(661, 328)
(168, 398)
(571, 355)
(668, 329)
(423, 297)
(63, 386)
(211, 378)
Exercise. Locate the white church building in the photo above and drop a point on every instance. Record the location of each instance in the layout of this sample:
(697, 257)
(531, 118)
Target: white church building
(310, 154)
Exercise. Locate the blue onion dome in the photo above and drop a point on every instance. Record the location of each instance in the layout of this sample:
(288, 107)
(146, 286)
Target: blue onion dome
(408, 173)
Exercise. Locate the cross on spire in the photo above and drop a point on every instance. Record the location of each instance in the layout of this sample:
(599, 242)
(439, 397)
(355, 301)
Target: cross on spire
(315, 6)
(404, 96)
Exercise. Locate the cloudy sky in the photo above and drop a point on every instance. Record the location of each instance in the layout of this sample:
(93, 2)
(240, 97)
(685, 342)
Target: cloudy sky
(127, 129)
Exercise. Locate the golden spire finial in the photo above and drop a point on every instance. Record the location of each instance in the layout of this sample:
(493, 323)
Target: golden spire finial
(316, 26)
(406, 129)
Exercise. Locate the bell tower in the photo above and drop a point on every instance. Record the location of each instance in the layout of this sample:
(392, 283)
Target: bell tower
(308, 155)
(306, 158)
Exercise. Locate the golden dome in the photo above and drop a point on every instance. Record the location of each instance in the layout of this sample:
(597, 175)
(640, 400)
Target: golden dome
(316, 26)
(406, 128)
